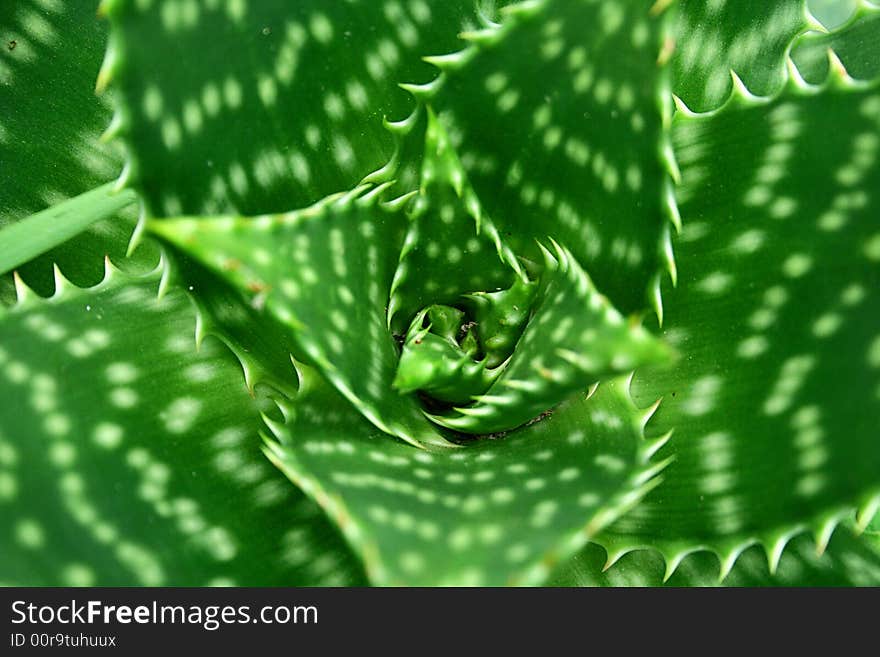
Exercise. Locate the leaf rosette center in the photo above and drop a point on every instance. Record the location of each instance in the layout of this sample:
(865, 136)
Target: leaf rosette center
(452, 355)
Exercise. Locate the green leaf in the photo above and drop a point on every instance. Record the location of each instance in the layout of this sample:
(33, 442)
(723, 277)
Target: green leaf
(337, 241)
(128, 459)
(451, 248)
(494, 512)
(751, 39)
(434, 362)
(848, 561)
(7, 291)
(501, 318)
(561, 133)
(323, 272)
(574, 338)
(774, 408)
(28, 238)
(552, 129)
(50, 128)
(300, 89)
(873, 529)
(856, 44)
(566, 317)
(262, 344)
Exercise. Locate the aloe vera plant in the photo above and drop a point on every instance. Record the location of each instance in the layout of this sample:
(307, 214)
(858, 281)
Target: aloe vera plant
(411, 292)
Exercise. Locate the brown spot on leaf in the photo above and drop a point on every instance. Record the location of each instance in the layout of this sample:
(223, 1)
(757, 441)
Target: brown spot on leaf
(542, 416)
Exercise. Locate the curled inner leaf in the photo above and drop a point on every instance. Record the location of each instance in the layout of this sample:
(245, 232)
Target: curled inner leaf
(441, 357)
(453, 355)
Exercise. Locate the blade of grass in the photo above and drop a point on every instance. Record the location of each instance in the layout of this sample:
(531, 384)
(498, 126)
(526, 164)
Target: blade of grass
(26, 239)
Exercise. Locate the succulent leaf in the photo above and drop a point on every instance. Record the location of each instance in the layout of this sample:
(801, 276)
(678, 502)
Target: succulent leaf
(572, 146)
(327, 65)
(574, 339)
(262, 344)
(50, 128)
(450, 245)
(433, 361)
(494, 512)
(752, 39)
(775, 407)
(346, 245)
(478, 290)
(856, 44)
(130, 459)
(847, 562)
(500, 318)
